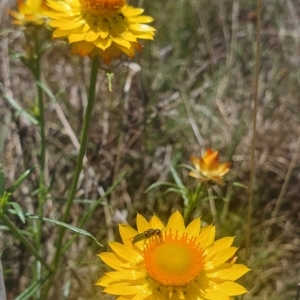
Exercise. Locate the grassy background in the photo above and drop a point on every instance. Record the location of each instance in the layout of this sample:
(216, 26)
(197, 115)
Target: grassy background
(194, 91)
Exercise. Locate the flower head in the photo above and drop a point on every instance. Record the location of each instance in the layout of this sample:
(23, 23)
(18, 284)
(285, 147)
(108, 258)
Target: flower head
(208, 168)
(30, 12)
(178, 263)
(106, 28)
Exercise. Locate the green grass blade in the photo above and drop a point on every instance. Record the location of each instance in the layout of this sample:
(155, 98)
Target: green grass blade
(20, 180)
(18, 210)
(21, 110)
(65, 225)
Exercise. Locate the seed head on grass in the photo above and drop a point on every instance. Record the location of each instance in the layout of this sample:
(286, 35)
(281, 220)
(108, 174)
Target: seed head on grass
(30, 12)
(208, 167)
(106, 28)
(180, 263)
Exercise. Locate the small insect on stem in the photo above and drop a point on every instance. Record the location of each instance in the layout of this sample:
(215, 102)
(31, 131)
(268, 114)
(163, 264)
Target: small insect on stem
(146, 235)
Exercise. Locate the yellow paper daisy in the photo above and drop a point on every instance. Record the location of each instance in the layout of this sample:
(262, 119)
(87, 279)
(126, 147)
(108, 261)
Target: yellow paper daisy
(100, 27)
(179, 263)
(29, 12)
(208, 168)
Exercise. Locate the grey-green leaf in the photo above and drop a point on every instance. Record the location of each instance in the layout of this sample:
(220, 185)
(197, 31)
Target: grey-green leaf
(20, 180)
(68, 226)
(18, 210)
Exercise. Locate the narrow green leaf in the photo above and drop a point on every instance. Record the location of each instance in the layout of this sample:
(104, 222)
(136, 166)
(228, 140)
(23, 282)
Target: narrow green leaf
(33, 288)
(161, 183)
(18, 210)
(2, 181)
(20, 180)
(20, 110)
(89, 212)
(176, 190)
(62, 224)
(48, 92)
(179, 184)
(238, 184)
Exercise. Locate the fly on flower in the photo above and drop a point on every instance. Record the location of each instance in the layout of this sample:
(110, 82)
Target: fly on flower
(147, 234)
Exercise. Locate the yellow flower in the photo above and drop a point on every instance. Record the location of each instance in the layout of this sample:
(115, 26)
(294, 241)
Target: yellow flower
(29, 12)
(179, 263)
(100, 27)
(208, 167)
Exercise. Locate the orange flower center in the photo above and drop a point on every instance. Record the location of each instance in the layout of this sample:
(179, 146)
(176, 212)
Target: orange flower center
(173, 260)
(102, 7)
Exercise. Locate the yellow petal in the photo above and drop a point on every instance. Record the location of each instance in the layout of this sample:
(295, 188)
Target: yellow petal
(103, 43)
(207, 236)
(121, 289)
(127, 233)
(120, 41)
(143, 294)
(231, 288)
(65, 25)
(103, 28)
(105, 281)
(130, 11)
(144, 35)
(127, 274)
(142, 224)
(141, 27)
(222, 244)
(111, 260)
(235, 272)
(59, 6)
(34, 4)
(126, 252)
(156, 223)
(141, 19)
(220, 257)
(76, 37)
(194, 227)
(91, 36)
(212, 294)
(176, 223)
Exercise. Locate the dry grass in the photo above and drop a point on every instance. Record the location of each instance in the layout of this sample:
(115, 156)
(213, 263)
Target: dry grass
(195, 90)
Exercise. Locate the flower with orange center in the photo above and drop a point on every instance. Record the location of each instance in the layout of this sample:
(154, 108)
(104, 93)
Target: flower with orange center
(179, 263)
(208, 168)
(106, 28)
(30, 12)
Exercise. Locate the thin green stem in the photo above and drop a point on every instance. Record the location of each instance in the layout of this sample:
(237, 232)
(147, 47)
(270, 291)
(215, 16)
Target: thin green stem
(81, 154)
(18, 234)
(36, 69)
(192, 203)
(213, 208)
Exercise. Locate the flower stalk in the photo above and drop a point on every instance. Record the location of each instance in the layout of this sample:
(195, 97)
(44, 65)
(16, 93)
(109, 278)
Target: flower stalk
(78, 168)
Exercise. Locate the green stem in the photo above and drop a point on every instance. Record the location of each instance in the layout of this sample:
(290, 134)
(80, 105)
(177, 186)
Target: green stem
(42, 191)
(36, 70)
(192, 203)
(17, 234)
(73, 189)
(213, 208)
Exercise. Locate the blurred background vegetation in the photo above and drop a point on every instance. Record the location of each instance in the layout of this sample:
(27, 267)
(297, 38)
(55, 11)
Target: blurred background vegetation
(190, 89)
